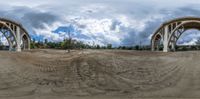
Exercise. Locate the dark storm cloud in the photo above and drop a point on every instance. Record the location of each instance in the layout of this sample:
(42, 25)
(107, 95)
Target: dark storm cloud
(37, 19)
(30, 18)
(115, 23)
(187, 11)
(143, 37)
(136, 38)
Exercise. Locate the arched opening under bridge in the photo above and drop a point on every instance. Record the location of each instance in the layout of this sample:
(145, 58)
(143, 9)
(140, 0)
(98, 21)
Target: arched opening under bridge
(171, 31)
(16, 36)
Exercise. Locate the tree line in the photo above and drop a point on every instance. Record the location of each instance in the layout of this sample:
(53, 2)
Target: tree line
(69, 44)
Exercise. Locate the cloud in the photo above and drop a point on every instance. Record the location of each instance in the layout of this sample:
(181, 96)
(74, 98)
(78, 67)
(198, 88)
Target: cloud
(95, 30)
(37, 19)
(127, 22)
(47, 33)
(118, 28)
(190, 37)
(191, 42)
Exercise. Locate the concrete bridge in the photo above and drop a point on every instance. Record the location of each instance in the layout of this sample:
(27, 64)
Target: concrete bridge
(17, 37)
(169, 32)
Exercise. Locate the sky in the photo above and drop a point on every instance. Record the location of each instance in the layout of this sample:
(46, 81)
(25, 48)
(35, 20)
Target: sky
(117, 22)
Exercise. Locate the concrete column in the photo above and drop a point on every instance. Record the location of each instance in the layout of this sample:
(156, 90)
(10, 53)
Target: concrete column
(29, 44)
(173, 43)
(152, 45)
(173, 46)
(165, 40)
(18, 48)
(10, 48)
(172, 27)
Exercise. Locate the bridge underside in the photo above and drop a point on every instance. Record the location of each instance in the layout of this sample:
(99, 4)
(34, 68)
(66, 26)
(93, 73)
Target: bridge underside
(168, 34)
(16, 36)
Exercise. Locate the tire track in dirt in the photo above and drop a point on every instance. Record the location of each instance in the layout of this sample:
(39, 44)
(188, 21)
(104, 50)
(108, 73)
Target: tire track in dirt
(95, 72)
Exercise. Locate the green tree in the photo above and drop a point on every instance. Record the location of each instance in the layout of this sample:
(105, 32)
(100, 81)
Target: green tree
(123, 47)
(45, 41)
(137, 47)
(33, 45)
(98, 47)
(109, 46)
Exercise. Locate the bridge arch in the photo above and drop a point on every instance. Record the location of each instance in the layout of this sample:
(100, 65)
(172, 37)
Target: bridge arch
(25, 42)
(172, 30)
(15, 34)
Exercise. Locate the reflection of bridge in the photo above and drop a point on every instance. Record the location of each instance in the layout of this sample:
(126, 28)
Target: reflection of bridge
(169, 32)
(17, 37)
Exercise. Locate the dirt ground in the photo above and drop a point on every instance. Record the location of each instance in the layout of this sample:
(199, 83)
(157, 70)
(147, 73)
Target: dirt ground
(99, 74)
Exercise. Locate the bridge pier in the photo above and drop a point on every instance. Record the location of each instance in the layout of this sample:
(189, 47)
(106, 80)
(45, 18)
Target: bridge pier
(165, 40)
(18, 48)
(152, 46)
(173, 46)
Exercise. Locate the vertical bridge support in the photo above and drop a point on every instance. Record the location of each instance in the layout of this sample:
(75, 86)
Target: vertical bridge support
(18, 40)
(165, 40)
